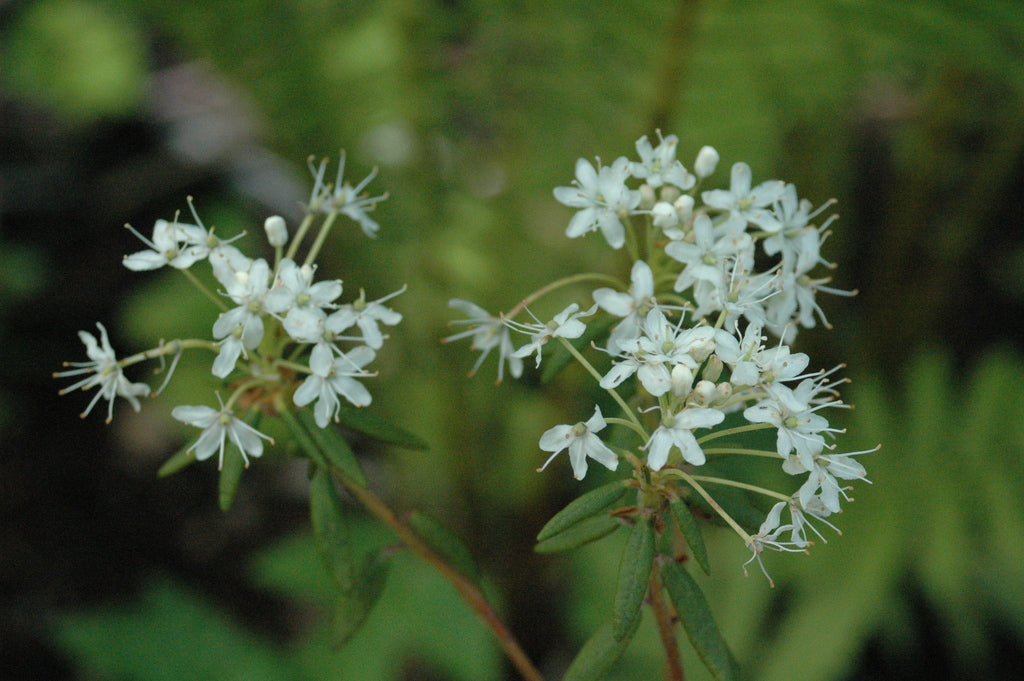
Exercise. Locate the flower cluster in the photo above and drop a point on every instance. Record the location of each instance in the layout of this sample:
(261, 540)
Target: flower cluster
(713, 272)
(280, 336)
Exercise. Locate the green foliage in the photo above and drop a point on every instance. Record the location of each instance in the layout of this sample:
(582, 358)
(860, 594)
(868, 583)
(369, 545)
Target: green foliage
(600, 653)
(170, 632)
(634, 573)
(446, 543)
(77, 57)
(691, 531)
(582, 507)
(698, 622)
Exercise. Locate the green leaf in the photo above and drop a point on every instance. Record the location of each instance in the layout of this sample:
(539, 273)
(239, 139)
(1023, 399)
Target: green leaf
(305, 441)
(329, 528)
(179, 462)
(579, 534)
(446, 543)
(559, 356)
(634, 574)
(334, 448)
(691, 530)
(230, 475)
(585, 506)
(700, 627)
(599, 654)
(354, 605)
(370, 424)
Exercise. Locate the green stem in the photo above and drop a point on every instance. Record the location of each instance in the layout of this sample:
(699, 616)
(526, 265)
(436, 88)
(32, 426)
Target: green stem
(665, 619)
(299, 235)
(615, 395)
(466, 589)
(559, 283)
(325, 228)
(217, 300)
(742, 485)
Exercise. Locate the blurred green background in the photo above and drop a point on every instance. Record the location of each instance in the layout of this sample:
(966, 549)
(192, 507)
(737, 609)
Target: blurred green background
(910, 114)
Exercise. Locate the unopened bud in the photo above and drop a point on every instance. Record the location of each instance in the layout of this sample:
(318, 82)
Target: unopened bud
(704, 392)
(277, 231)
(682, 380)
(713, 369)
(647, 197)
(707, 161)
(664, 215)
(684, 207)
(723, 391)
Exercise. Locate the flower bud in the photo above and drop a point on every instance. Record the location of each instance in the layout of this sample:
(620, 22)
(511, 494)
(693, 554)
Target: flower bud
(668, 193)
(664, 215)
(277, 231)
(682, 380)
(684, 207)
(713, 369)
(647, 197)
(704, 392)
(707, 161)
(723, 391)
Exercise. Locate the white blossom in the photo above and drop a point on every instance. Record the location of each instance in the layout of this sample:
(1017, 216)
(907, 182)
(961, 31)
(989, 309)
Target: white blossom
(218, 427)
(582, 443)
(103, 372)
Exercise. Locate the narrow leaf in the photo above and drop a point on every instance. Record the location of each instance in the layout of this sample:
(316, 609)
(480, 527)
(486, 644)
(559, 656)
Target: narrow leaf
(599, 654)
(329, 528)
(180, 461)
(230, 475)
(304, 440)
(579, 534)
(634, 574)
(446, 543)
(585, 506)
(353, 606)
(700, 627)
(334, 448)
(691, 530)
(368, 423)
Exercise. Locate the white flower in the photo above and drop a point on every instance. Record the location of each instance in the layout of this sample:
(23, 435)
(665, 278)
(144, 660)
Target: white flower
(659, 166)
(705, 257)
(792, 412)
(660, 347)
(632, 305)
(488, 332)
(767, 537)
(294, 289)
(333, 376)
(582, 443)
(241, 328)
(176, 244)
(566, 324)
(218, 426)
(367, 316)
(345, 199)
(676, 430)
(746, 205)
(104, 373)
(603, 200)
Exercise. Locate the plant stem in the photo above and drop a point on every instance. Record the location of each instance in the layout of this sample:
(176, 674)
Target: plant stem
(665, 618)
(466, 589)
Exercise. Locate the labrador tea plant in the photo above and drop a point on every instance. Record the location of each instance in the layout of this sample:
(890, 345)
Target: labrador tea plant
(691, 354)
